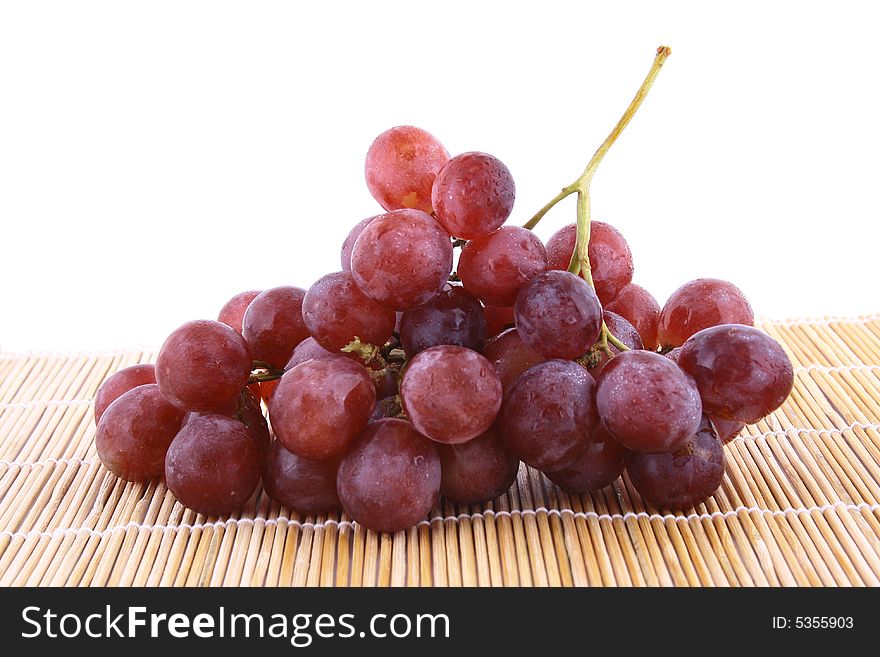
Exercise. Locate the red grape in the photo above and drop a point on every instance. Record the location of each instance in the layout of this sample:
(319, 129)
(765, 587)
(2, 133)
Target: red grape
(309, 349)
(451, 394)
(390, 478)
(121, 382)
(620, 329)
(452, 317)
(232, 313)
(320, 405)
(303, 485)
(558, 315)
(510, 356)
(402, 259)
(495, 267)
(249, 413)
(135, 431)
(611, 260)
(478, 470)
(336, 311)
(213, 465)
(742, 373)
(683, 478)
(267, 389)
(599, 465)
(699, 304)
(401, 166)
(647, 402)
(498, 319)
(351, 238)
(473, 195)
(549, 414)
(636, 305)
(274, 325)
(726, 430)
(202, 366)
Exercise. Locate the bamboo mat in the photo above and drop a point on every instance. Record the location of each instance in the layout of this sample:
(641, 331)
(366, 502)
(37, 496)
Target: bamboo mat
(799, 505)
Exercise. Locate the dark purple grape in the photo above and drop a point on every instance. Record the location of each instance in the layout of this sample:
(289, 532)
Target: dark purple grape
(599, 465)
(498, 319)
(620, 329)
(250, 414)
(351, 238)
(700, 304)
(558, 315)
(637, 306)
(402, 259)
(549, 414)
(320, 405)
(452, 317)
(213, 465)
(647, 402)
(336, 311)
(390, 478)
(742, 373)
(203, 366)
(473, 195)
(135, 431)
(303, 485)
(451, 394)
(273, 324)
(477, 471)
(510, 356)
(611, 260)
(386, 382)
(495, 267)
(121, 382)
(401, 166)
(681, 479)
(232, 313)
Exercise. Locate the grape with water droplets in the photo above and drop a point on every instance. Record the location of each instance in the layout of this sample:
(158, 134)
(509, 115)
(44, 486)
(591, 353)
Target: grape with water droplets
(452, 317)
(478, 470)
(699, 304)
(599, 464)
(232, 312)
(637, 306)
(510, 356)
(495, 267)
(121, 382)
(273, 324)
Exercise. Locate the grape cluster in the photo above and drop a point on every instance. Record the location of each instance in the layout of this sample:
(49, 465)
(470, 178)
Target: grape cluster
(393, 380)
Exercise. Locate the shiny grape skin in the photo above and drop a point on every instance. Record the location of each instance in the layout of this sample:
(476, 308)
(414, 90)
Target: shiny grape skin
(636, 305)
(673, 354)
(558, 315)
(401, 166)
(303, 485)
(620, 329)
(700, 304)
(549, 414)
(390, 478)
(473, 195)
(320, 405)
(350, 239)
(402, 259)
(309, 349)
(213, 465)
(202, 366)
(647, 402)
(135, 431)
(495, 267)
(727, 430)
(118, 383)
(452, 317)
(611, 260)
(510, 356)
(599, 465)
(498, 319)
(232, 312)
(250, 414)
(742, 373)
(681, 479)
(450, 394)
(478, 470)
(336, 311)
(273, 324)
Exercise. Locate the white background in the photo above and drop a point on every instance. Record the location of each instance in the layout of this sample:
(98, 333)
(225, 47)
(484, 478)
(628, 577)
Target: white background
(158, 157)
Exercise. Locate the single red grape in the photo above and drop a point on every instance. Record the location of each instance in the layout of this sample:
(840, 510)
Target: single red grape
(599, 465)
(636, 305)
(451, 394)
(303, 485)
(121, 382)
(351, 238)
(274, 325)
(452, 317)
(498, 319)
(390, 478)
(495, 267)
(232, 313)
(647, 402)
(510, 356)
(135, 431)
(473, 195)
(699, 304)
(742, 373)
(726, 430)
(478, 470)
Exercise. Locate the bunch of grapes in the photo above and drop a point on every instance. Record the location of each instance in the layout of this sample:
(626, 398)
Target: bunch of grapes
(396, 379)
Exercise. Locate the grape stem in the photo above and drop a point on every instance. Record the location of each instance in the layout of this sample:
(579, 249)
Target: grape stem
(580, 259)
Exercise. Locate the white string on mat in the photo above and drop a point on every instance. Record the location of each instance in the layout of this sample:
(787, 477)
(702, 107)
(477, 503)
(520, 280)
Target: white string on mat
(50, 460)
(283, 520)
(47, 402)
